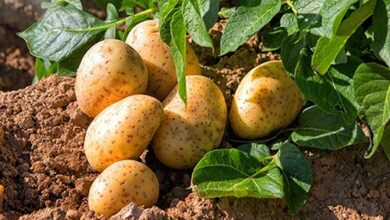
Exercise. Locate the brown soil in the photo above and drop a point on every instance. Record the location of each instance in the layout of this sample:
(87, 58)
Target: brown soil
(16, 65)
(46, 176)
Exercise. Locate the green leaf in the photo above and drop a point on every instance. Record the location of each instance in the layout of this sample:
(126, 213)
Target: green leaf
(381, 26)
(308, 6)
(62, 32)
(336, 84)
(40, 69)
(273, 39)
(372, 90)
(43, 69)
(195, 25)
(54, 3)
(327, 49)
(332, 13)
(297, 176)
(231, 172)
(290, 22)
(121, 35)
(112, 15)
(110, 33)
(103, 3)
(145, 4)
(358, 43)
(321, 130)
(173, 32)
(177, 48)
(166, 12)
(209, 11)
(385, 143)
(290, 49)
(246, 21)
(226, 12)
(258, 151)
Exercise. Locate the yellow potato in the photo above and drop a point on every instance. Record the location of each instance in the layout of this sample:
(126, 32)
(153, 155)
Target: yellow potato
(266, 100)
(122, 131)
(120, 184)
(187, 133)
(110, 71)
(145, 39)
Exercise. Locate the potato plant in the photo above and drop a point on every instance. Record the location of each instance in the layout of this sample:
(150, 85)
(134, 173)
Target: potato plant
(333, 77)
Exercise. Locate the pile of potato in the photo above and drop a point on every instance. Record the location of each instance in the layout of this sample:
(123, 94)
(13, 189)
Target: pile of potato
(121, 85)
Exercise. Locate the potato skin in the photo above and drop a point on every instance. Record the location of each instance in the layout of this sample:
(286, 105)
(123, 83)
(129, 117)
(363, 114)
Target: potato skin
(187, 133)
(108, 72)
(122, 131)
(120, 184)
(145, 39)
(266, 100)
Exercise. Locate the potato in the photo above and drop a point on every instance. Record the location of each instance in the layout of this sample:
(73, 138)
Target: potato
(122, 131)
(266, 100)
(110, 71)
(120, 184)
(187, 133)
(145, 39)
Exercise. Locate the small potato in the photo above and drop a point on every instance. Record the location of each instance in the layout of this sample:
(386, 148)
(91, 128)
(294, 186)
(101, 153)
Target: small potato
(187, 133)
(266, 100)
(122, 131)
(110, 71)
(120, 184)
(145, 39)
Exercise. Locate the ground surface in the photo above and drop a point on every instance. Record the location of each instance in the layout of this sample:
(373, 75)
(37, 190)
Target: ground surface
(45, 173)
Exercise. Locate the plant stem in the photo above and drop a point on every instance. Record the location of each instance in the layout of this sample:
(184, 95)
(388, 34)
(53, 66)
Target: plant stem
(115, 23)
(291, 5)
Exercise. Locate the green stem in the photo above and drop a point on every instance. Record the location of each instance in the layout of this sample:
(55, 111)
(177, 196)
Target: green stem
(115, 23)
(291, 5)
(270, 157)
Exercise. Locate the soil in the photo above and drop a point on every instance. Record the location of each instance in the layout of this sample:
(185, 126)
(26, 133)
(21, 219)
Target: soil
(46, 175)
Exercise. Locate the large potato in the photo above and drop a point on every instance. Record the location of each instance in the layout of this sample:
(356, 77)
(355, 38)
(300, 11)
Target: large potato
(266, 100)
(120, 184)
(145, 39)
(187, 133)
(109, 71)
(122, 131)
